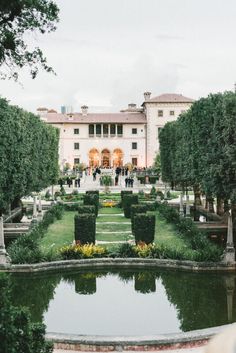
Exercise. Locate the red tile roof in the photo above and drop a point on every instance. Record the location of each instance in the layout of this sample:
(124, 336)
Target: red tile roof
(78, 118)
(170, 98)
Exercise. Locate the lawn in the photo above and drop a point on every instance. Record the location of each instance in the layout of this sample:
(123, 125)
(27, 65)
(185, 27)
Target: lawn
(62, 231)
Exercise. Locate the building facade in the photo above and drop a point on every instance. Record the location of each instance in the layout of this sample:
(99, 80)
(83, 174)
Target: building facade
(115, 139)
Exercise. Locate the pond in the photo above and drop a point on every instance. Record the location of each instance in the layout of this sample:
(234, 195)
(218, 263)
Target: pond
(126, 302)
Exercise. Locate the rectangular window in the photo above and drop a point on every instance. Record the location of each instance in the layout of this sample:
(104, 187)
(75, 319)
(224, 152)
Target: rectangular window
(76, 145)
(172, 112)
(76, 131)
(112, 130)
(160, 112)
(91, 130)
(105, 130)
(76, 161)
(135, 161)
(120, 130)
(134, 145)
(134, 131)
(98, 130)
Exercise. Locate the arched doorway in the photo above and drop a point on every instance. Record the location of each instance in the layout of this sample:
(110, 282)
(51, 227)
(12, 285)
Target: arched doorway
(106, 158)
(94, 158)
(117, 157)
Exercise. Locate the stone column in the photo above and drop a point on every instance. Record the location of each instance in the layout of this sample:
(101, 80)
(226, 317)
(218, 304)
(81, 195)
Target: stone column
(40, 204)
(53, 192)
(34, 219)
(4, 259)
(181, 206)
(230, 285)
(165, 193)
(187, 206)
(229, 253)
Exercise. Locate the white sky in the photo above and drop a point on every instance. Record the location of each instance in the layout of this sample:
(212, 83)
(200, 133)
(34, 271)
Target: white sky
(106, 53)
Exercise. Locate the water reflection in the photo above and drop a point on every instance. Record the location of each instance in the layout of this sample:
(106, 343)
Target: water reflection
(143, 302)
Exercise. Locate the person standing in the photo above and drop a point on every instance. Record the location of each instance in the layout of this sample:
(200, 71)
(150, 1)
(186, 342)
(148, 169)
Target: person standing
(78, 182)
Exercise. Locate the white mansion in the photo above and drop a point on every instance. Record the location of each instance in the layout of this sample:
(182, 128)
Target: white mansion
(114, 139)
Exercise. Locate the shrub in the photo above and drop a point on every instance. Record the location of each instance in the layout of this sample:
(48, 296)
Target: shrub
(128, 201)
(92, 192)
(18, 333)
(92, 199)
(82, 251)
(75, 192)
(140, 208)
(48, 195)
(62, 191)
(86, 209)
(142, 179)
(71, 207)
(153, 179)
(26, 248)
(144, 250)
(123, 193)
(144, 228)
(85, 228)
(160, 194)
(124, 250)
(153, 191)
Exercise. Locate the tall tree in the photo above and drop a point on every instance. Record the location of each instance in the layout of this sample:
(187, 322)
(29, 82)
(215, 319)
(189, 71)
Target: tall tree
(18, 18)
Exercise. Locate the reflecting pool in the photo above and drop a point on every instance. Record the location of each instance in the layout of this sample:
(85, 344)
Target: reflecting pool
(126, 302)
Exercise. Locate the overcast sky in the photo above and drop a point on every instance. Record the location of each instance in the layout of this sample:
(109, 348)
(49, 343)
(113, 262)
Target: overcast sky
(106, 53)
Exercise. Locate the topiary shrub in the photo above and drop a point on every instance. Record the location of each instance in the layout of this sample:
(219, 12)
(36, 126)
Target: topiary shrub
(124, 192)
(144, 228)
(128, 201)
(135, 209)
(86, 209)
(85, 228)
(92, 199)
(153, 179)
(92, 192)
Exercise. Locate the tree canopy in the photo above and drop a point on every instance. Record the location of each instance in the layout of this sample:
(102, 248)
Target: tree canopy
(28, 153)
(17, 19)
(200, 147)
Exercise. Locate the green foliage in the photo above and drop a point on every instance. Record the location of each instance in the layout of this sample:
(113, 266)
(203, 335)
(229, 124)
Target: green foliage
(85, 228)
(92, 192)
(28, 154)
(141, 178)
(199, 148)
(153, 179)
(123, 193)
(202, 248)
(140, 208)
(106, 180)
(144, 228)
(86, 209)
(18, 333)
(17, 19)
(128, 201)
(92, 199)
(157, 165)
(26, 249)
(83, 251)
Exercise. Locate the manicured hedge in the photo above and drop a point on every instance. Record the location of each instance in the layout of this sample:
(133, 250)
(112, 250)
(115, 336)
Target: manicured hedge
(141, 179)
(153, 179)
(92, 192)
(144, 228)
(85, 228)
(123, 193)
(86, 209)
(128, 201)
(140, 208)
(92, 199)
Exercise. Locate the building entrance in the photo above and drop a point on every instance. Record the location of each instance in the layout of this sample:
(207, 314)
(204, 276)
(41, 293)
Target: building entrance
(117, 158)
(106, 158)
(94, 158)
